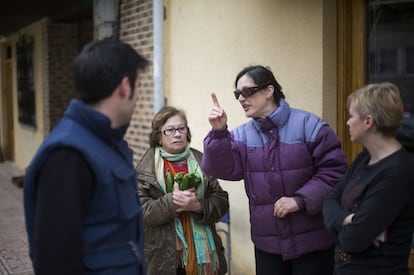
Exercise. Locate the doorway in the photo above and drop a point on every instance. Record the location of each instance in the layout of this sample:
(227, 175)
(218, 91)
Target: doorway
(390, 44)
(375, 44)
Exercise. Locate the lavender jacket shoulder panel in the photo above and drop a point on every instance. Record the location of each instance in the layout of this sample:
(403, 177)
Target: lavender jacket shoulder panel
(289, 153)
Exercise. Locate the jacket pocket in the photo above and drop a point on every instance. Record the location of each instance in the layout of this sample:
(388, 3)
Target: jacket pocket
(126, 190)
(111, 259)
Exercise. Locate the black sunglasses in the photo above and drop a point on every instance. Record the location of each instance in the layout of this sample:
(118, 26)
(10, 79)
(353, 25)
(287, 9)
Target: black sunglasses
(248, 91)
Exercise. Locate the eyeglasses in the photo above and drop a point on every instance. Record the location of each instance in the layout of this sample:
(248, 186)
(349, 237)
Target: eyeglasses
(171, 131)
(246, 92)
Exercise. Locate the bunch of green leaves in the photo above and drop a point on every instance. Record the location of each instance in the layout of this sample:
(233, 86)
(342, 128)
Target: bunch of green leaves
(187, 181)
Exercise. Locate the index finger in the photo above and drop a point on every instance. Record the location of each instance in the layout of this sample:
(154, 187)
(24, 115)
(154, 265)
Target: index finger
(215, 100)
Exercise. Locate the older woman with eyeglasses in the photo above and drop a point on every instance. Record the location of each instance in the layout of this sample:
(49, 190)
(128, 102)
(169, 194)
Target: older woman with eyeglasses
(180, 203)
(290, 161)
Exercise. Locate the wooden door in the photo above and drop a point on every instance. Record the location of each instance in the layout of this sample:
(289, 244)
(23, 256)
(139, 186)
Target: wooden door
(375, 44)
(351, 63)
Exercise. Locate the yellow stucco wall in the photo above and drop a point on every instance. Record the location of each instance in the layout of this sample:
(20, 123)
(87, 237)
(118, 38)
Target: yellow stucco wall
(208, 42)
(27, 138)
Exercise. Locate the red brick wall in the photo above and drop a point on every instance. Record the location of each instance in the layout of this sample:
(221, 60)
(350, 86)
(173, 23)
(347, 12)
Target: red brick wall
(137, 30)
(64, 41)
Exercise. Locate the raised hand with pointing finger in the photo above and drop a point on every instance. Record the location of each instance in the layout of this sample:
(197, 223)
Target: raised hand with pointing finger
(217, 117)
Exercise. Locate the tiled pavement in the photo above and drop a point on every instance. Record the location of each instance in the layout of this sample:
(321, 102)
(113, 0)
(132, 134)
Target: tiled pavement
(14, 257)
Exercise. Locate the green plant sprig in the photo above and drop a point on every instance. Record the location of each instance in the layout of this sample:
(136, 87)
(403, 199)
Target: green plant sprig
(187, 181)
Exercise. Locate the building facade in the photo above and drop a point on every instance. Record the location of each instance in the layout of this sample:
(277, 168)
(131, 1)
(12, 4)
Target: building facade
(319, 50)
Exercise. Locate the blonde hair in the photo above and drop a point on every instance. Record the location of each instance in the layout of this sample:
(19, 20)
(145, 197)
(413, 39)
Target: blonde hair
(383, 102)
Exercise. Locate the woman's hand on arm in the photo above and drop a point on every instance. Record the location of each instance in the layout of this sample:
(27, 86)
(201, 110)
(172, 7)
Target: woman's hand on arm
(348, 219)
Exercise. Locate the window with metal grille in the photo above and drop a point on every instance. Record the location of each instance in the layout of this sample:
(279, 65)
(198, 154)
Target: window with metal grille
(25, 80)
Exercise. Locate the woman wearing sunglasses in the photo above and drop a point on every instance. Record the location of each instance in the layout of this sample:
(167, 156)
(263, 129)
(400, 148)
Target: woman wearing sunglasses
(290, 161)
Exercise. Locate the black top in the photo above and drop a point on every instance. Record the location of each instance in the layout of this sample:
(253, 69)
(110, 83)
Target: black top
(65, 187)
(382, 198)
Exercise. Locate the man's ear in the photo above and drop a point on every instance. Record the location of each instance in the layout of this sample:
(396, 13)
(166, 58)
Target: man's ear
(125, 88)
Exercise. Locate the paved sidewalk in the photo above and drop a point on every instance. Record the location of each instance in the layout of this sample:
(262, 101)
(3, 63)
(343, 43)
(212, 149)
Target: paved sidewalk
(14, 257)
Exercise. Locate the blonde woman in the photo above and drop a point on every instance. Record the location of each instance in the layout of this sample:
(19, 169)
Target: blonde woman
(371, 211)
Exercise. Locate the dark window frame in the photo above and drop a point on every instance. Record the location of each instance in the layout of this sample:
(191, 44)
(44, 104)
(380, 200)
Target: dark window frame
(25, 80)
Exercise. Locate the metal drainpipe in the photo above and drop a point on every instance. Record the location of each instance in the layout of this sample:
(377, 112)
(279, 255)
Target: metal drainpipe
(158, 62)
(104, 18)
(117, 28)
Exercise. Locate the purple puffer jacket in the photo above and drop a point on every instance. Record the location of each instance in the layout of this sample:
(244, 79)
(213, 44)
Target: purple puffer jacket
(290, 153)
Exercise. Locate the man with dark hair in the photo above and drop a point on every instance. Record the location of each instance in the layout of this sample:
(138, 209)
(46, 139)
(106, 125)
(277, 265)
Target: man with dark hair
(80, 195)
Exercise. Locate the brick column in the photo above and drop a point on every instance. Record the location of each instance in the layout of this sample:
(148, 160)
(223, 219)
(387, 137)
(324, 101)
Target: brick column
(137, 30)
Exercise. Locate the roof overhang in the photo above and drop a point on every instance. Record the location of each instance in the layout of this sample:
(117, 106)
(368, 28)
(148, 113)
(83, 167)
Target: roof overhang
(16, 14)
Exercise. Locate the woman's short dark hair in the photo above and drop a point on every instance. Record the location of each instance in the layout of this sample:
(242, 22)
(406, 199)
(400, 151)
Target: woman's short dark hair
(160, 119)
(263, 77)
